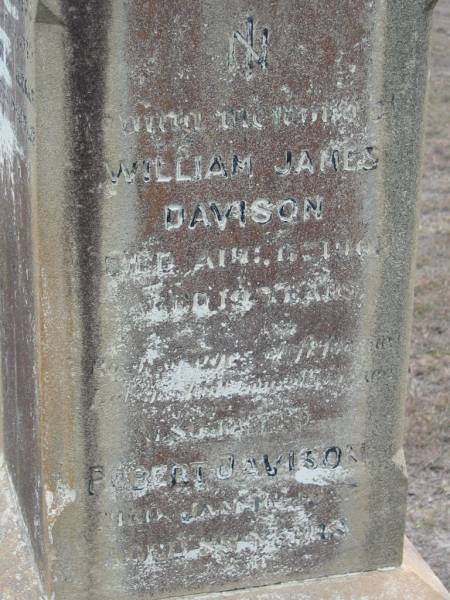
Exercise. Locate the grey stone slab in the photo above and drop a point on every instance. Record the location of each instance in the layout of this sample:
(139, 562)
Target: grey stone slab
(208, 231)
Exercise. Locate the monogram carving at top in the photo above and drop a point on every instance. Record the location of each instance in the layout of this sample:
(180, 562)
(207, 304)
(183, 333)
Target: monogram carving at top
(252, 57)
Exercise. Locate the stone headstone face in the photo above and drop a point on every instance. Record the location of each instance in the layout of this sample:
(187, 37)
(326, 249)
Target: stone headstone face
(206, 299)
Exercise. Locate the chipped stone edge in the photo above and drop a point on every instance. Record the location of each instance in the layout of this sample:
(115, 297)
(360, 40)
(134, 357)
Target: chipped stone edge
(21, 537)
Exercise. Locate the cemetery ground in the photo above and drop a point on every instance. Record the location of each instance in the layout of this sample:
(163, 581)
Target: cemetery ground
(428, 406)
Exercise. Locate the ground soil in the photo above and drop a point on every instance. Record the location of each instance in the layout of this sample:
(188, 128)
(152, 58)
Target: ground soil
(428, 406)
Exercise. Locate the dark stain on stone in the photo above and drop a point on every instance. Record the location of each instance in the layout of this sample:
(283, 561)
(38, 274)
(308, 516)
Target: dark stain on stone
(87, 26)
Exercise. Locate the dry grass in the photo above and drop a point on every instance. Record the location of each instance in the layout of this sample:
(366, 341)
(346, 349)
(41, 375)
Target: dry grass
(428, 408)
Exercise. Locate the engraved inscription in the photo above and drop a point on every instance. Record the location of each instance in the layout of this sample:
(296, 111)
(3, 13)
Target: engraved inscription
(220, 547)
(252, 57)
(308, 466)
(261, 211)
(241, 188)
(197, 168)
(225, 118)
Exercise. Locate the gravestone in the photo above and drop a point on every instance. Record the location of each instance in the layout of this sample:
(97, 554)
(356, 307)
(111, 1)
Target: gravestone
(208, 239)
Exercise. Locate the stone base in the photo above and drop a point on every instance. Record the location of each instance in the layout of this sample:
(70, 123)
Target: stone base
(414, 580)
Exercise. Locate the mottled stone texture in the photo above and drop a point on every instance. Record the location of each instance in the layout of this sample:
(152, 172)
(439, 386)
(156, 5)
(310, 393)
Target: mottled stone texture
(208, 233)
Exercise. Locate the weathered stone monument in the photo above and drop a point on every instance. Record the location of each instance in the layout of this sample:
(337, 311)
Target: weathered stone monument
(207, 240)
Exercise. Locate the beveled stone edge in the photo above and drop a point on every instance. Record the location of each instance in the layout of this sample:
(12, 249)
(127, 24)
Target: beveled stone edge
(413, 562)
